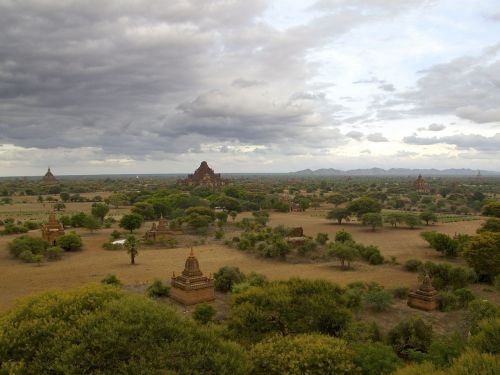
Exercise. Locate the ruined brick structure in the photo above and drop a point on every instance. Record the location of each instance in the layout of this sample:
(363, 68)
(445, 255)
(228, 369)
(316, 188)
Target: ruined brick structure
(49, 178)
(52, 230)
(204, 176)
(191, 287)
(160, 231)
(420, 185)
(425, 297)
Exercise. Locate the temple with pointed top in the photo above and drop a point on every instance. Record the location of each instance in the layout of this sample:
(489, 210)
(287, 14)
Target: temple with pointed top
(204, 176)
(52, 230)
(49, 178)
(160, 231)
(425, 297)
(420, 185)
(191, 287)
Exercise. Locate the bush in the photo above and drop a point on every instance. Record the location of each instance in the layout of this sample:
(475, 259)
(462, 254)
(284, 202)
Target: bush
(308, 246)
(483, 254)
(226, 276)
(479, 310)
(203, 313)
(487, 340)
(53, 253)
(375, 358)
(302, 354)
(112, 246)
(400, 292)
(444, 349)
(158, 289)
(343, 236)
(378, 299)
(219, 234)
(321, 238)
(102, 329)
(410, 334)
(448, 301)
(111, 280)
(32, 244)
(26, 256)
(413, 265)
(70, 242)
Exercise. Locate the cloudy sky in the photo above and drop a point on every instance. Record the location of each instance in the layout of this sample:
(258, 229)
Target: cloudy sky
(155, 86)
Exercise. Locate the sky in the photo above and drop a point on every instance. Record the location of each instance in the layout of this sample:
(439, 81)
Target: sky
(155, 86)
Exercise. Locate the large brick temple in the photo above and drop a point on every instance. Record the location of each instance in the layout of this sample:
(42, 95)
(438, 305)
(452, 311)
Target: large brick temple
(205, 176)
(49, 178)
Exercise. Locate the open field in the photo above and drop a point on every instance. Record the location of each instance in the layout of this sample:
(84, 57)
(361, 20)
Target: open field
(19, 279)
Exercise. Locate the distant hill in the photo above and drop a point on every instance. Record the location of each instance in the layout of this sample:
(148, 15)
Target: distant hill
(394, 172)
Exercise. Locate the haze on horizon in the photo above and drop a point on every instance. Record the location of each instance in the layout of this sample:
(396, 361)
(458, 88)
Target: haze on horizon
(153, 86)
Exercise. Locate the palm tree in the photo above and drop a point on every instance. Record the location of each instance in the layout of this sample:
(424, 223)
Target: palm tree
(132, 246)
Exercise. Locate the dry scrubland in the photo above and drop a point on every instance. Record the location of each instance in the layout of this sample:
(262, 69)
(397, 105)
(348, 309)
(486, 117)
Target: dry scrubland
(19, 279)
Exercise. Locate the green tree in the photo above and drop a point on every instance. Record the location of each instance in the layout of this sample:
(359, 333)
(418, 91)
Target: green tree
(372, 219)
(117, 199)
(483, 254)
(203, 313)
(410, 334)
(378, 299)
(337, 198)
(338, 214)
(102, 329)
(131, 222)
(345, 253)
(363, 206)
(100, 210)
(69, 242)
(343, 236)
(492, 209)
(375, 358)
(226, 277)
(132, 246)
(59, 206)
(412, 220)
(322, 238)
(64, 196)
(91, 223)
(303, 354)
(146, 210)
(490, 225)
(428, 217)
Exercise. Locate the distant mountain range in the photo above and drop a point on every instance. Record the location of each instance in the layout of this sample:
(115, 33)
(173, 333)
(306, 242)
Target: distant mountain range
(394, 172)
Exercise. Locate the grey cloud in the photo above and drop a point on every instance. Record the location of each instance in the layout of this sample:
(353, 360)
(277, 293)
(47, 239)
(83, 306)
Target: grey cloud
(354, 134)
(433, 127)
(461, 141)
(376, 137)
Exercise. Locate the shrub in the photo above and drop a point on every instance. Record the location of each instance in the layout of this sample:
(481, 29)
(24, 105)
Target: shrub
(203, 313)
(483, 254)
(219, 234)
(496, 282)
(378, 299)
(33, 244)
(53, 253)
(112, 246)
(70, 242)
(479, 310)
(343, 236)
(308, 246)
(413, 265)
(359, 331)
(400, 292)
(448, 301)
(158, 289)
(444, 349)
(376, 259)
(321, 238)
(26, 256)
(111, 280)
(487, 340)
(375, 358)
(115, 235)
(302, 354)
(226, 276)
(413, 334)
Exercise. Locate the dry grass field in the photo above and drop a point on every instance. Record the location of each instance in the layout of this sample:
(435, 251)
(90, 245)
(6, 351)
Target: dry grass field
(19, 279)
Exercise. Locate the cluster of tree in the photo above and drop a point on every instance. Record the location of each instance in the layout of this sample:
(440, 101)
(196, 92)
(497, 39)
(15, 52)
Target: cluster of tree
(443, 275)
(346, 250)
(11, 227)
(36, 250)
(449, 246)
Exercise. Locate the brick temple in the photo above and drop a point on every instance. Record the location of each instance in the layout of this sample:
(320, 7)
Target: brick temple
(204, 176)
(425, 297)
(160, 231)
(52, 230)
(420, 185)
(191, 287)
(49, 177)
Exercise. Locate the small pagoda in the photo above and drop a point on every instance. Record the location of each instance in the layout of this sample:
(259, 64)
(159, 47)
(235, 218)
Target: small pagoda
(204, 176)
(160, 231)
(425, 297)
(52, 230)
(420, 185)
(49, 178)
(191, 287)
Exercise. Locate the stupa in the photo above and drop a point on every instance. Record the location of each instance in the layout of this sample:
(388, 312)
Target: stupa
(191, 287)
(425, 297)
(420, 185)
(204, 176)
(52, 230)
(49, 178)
(160, 231)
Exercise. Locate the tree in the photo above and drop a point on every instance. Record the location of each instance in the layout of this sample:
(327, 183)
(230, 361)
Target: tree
(490, 225)
(428, 216)
(410, 334)
(226, 277)
(487, 340)
(102, 329)
(59, 206)
(378, 299)
(337, 198)
(64, 196)
(343, 236)
(203, 313)
(34, 245)
(100, 210)
(492, 209)
(344, 252)
(338, 214)
(364, 205)
(302, 354)
(233, 214)
(69, 242)
(132, 246)
(91, 223)
(146, 210)
(131, 222)
(483, 254)
(372, 219)
(117, 199)
(412, 220)
(322, 238)
(375, 358)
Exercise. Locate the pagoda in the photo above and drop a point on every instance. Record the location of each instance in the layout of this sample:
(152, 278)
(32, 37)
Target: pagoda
(420, 185)
(160, 231)
(52, 230)
(425, 297)
(191, 287)
(203, 176)
(49, 178)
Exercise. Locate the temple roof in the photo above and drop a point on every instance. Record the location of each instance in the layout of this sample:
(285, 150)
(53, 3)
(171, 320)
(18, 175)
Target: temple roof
(191, 267)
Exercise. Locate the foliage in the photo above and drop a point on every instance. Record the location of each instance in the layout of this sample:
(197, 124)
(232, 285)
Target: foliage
(410, 334)
(99, 210)
(91, 223)
(378, 299)
(69, 242)
(343, 236)
(344, 252)
(400, 292)
(490, 225)
(487, 340)
(302, 354)
(111, 279)
(372, 219)
(375, 358)
(53, 253)
(428, 216)
(364, 205)
(203, 313)
(370, 253)
(24, 243)
(444, 349)
(252, 279)
(413, 265)
(338, 214)
(132, 246)
(288, 307)
(444, 275)
(483, 254)
(131, 222)
(322, 238)
(480, 310)
(101, 329)
(492, 209)
(158, 289)
(226, 277)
